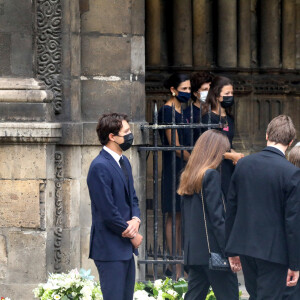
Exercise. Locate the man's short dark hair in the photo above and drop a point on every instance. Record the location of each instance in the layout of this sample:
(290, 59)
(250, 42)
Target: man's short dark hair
(109, 123)
(281, 130)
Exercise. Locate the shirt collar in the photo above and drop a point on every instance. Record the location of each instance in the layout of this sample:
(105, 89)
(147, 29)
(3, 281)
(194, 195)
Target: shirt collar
(274, 146)
(115, 155)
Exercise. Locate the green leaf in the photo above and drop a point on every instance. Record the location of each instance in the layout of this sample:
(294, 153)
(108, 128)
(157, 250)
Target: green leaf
(180, 287)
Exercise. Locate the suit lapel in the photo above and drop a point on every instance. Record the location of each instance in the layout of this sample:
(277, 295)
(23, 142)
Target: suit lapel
(116, 167)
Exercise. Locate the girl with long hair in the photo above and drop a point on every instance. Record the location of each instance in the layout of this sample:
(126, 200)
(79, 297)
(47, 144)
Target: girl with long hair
(200, 187)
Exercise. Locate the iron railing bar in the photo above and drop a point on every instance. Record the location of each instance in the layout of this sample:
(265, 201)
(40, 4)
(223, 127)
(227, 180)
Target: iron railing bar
(192, 122)
(209, 118)
(165, 148)
(173, 143)
(181, 167)
(164, 242)
(200, 113)
(168, 257)
(179, 126)
(155, 188)
(163, 262)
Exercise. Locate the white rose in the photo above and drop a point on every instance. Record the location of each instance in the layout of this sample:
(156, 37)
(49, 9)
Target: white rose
(172, 293)
(158, 283)
(160, 295)
(140, 295)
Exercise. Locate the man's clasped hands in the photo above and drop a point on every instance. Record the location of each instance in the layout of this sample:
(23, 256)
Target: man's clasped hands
(132, 232)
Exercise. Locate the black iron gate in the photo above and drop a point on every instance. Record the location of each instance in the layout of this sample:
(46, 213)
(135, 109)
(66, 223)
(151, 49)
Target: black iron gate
(156, 255)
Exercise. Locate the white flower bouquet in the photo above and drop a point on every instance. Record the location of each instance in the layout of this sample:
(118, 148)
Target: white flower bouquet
(161, 290)
(72, 286)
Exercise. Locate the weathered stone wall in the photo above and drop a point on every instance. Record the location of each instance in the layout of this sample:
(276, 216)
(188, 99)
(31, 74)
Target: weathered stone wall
(112, 79)
(16, 38)
(92, 63)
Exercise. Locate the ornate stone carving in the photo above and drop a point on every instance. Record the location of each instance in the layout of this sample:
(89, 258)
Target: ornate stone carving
(58, 211)
(49, 50)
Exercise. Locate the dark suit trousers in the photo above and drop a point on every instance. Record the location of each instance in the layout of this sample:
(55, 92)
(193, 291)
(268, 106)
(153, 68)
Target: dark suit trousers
(292, 293)
(264, 280)
(223, 283)
(117, 279)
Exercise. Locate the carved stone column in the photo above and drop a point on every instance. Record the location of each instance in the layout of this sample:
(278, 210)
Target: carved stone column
(244, 34)
(270, 34)
(201, 44)
(182, 32)
(28, 193)
(227, 33)
(153, 27)
(289, 34)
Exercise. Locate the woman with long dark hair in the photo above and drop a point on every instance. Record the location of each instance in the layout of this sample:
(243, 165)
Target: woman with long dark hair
(221, 100)
(180, 88)
(203, 219)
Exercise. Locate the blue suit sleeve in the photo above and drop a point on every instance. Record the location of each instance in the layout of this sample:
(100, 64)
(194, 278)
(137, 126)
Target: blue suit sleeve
(214, 204)
(100, 182)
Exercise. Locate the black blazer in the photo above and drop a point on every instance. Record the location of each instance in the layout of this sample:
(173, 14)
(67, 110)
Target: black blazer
(195, 243)
(113, 203)
(263, 209)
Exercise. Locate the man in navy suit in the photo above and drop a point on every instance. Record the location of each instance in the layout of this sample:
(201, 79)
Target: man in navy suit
(263, 216)
(115, 211)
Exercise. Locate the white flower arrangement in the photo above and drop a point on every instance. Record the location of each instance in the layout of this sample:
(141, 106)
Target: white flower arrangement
(81, 286)
(160, 290)
(73, 285)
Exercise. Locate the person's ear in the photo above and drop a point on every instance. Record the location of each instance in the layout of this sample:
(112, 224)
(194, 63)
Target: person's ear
(267, 137)
(111, 137)
(196, 94)
(173, 91)
(290, 144)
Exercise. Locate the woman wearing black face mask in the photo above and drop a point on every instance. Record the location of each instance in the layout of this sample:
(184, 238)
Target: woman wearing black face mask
(220, 98)
(180, 88)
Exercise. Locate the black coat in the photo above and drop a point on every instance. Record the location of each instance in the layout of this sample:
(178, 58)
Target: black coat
(195, 243)
(263, 209)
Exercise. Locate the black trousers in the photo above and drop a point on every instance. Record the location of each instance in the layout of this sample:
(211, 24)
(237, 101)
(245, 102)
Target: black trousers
(292, 293)
(117, 279)
(264, 280)
(223, 283)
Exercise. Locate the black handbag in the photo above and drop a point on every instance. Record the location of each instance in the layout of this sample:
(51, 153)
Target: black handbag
(216, 261)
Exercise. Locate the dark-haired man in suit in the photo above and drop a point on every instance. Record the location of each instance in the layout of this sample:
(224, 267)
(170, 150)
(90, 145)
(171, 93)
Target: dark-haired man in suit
(115, 211)
(263, 216)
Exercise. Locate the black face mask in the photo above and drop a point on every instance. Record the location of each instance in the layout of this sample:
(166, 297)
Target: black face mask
(128, 140)
(227, 101)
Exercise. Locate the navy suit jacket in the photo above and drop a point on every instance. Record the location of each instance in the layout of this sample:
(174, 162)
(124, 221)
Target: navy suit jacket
(113, 203)
(263, 209)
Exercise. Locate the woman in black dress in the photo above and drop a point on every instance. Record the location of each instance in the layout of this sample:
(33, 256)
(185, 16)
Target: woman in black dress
(220, 99)
(180, 89)
(203, 218)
